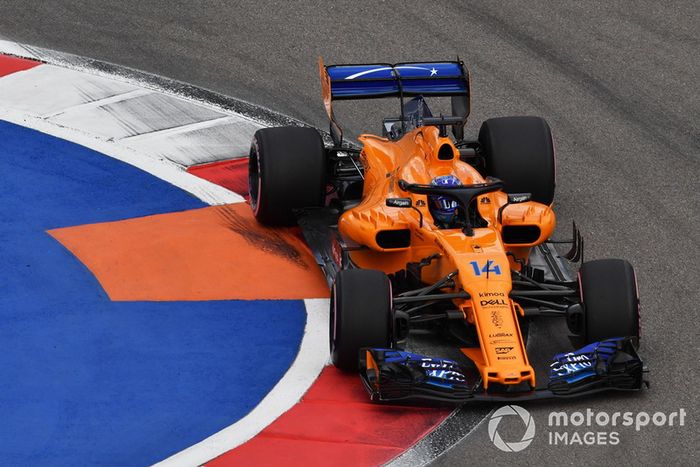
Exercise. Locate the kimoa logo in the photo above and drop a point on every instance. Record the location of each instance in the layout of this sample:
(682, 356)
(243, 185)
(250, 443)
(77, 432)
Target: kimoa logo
(506, 411)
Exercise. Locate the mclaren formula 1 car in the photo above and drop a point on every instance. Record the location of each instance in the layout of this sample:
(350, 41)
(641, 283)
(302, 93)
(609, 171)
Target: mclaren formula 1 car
(417, 230)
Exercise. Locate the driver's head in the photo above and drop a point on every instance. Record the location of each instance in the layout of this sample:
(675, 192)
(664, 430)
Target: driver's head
(443, 208)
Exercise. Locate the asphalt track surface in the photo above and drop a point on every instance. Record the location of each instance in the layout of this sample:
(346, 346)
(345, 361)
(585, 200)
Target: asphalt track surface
(617, 82)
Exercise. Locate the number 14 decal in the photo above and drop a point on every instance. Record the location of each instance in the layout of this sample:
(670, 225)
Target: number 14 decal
(488, 268)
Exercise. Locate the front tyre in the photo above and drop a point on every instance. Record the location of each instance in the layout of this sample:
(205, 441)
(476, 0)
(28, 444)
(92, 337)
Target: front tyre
(286, 172)
(361, 315)
(610, 300)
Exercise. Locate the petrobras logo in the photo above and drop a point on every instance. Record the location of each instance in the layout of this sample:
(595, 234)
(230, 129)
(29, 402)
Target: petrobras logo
(574, 364)
(572, 357)
(447, 375)
(437, 364)
(572, 368)
(444, 369)
(528, 431)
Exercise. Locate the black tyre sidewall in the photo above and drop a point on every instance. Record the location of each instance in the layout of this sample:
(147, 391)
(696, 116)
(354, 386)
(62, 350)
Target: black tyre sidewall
(610, 301)
(360, 315)
(291, 169)
(520, 151)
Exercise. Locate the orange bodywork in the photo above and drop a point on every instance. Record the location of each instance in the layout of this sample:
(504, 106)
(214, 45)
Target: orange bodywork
(483, 260)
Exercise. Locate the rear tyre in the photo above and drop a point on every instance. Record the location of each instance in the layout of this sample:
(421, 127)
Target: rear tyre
(609, 298)
(361, 315)
(286, 171)
(520, 151)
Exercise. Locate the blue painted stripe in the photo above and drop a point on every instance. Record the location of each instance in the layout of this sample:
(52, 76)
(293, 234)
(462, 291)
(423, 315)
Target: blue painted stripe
(89, 381)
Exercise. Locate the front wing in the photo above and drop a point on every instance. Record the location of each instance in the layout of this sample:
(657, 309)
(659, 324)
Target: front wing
(395, 375)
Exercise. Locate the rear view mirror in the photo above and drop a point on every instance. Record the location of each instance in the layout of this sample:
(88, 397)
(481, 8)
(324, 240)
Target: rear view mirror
(405, 203)
(513, 198)
(399, 202)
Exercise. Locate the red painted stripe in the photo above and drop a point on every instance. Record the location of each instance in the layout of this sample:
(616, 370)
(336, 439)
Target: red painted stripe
(335, 424)
(231, 174)
(10, 64)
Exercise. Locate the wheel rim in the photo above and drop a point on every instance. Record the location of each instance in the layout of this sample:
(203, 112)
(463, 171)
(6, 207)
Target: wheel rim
(331, 321)
(391, 338)
(254, 177)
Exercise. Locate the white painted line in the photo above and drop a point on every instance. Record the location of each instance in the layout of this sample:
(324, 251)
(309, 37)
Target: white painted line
(144, 114)
(201, 145)
(13, 48)
(312, 358)
(162, 168)
(149, 121)
(208, 145)
(96, 111)
(100, 102)
(48, 89)
(181, 129)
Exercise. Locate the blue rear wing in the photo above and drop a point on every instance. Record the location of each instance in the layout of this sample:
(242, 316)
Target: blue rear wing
(379, 80)
(407, 79)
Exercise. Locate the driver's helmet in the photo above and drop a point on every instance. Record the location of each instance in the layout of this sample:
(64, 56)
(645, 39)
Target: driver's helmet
(443, 208)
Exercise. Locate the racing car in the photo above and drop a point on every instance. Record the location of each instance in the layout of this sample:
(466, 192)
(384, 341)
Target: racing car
(421, 230)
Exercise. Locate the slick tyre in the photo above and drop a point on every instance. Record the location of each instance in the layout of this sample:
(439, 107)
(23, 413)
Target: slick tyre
(610, 300)
(520, 151)
(361, 315)
(286, 172)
